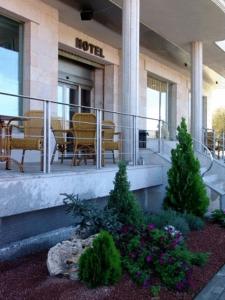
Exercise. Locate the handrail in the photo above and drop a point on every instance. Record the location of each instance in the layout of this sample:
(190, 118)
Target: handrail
(210, 154)
(205, 147)
(77, 105)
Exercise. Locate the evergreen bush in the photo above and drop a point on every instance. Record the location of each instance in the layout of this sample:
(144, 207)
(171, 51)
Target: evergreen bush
(91, 219)
(186, 191)
(100, 264)
(123, 201)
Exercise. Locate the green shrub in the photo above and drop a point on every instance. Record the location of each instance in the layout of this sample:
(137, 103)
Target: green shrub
(123, 201)
(155, 290)
(168, 217)
(185, 191)
(91, 218)
(194, 222)
(100, 264)
(151, 254)
(218, 216)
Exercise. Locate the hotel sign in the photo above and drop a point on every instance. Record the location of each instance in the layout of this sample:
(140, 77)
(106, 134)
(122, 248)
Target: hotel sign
(88, 47)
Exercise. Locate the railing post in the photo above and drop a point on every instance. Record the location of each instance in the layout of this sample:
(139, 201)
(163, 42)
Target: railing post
(47, 138)
(99, 139)
(214, 143)
(223, 146)
(160, 137)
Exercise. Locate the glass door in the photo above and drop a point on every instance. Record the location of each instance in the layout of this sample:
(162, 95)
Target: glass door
(72, 99)
(67, 95)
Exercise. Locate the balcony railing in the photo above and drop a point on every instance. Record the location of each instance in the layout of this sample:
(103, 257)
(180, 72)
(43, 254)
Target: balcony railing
(53, 136)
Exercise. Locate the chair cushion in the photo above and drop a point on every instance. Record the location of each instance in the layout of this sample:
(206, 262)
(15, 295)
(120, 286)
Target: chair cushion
(111, 145)
(26, 144)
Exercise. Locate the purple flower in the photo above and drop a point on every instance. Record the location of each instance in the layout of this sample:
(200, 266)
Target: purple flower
(149, 258)
(151, 227)
(138, 274)
(170, 260)
(180, 286)
(161, 259)
(146, 283)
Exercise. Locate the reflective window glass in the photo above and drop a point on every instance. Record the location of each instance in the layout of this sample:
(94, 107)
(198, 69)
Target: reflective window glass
(10, 61)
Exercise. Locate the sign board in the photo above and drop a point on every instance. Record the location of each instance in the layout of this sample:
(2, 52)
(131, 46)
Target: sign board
(88, 47)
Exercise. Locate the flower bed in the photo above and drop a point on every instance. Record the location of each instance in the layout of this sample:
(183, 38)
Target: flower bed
(27, 278)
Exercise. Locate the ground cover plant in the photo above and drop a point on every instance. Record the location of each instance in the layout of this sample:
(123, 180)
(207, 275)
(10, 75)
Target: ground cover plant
(100, 264)
(155, 257)
(218, 216)
(185, 191)
(181, 221)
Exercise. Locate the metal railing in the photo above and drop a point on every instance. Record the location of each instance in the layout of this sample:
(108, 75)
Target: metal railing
(138, 134)
(215, 142)
(200, 149)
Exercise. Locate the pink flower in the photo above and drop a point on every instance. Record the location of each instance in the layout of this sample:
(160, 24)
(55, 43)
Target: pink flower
(151, 226)
(149, 258)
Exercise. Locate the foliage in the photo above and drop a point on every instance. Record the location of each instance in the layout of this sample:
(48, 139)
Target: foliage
(101, 263)
(185, 191)
(123, 201)
(218, 120)
(218, 216)
(155, 290)
(194, 222)
(168, 217)
(151, 253)
(91, 218)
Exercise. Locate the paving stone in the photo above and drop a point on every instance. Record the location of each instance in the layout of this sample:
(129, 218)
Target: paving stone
(215, 289)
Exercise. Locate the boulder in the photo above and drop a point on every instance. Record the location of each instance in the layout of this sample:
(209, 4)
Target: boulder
(63, 257)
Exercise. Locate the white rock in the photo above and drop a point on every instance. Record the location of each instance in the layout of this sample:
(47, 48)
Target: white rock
(65, 255)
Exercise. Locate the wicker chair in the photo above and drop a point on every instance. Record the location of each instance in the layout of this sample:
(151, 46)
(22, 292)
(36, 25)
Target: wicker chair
(60, 139)
(84, 131)
(33, 134)
(109, 143)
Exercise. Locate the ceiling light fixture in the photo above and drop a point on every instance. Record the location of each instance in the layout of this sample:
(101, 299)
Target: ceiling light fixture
(86, 14)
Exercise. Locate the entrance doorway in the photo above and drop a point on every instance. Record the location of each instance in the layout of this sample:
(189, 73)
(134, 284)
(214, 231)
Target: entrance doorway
(75, 89)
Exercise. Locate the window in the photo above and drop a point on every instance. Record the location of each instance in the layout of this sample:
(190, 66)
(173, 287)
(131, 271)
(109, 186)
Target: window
(10, 65)
(157, 93)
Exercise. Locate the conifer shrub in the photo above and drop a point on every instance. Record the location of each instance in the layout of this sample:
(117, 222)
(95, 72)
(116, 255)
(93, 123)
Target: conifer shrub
(123, 201)
(100, 264)
(185, 191)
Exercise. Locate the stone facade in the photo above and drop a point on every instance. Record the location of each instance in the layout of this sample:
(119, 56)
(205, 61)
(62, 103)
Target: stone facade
(44, 34)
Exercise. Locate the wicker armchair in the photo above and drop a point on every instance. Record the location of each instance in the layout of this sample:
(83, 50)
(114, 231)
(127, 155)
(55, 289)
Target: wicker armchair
(60, 138)
(84, 130)
(33, 134)
(109, 143)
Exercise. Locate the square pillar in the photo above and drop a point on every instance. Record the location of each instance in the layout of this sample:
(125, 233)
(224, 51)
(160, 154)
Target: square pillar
(130, 77)
(196, 91)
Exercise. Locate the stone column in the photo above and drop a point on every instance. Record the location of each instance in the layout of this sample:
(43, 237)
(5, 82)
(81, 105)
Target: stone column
(196, 92)
(130, 65)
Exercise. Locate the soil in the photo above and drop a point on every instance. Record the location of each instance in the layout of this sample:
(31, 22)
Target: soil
(27, 278)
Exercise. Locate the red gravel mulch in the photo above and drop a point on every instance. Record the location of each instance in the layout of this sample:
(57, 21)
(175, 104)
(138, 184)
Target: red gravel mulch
(27, 278)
